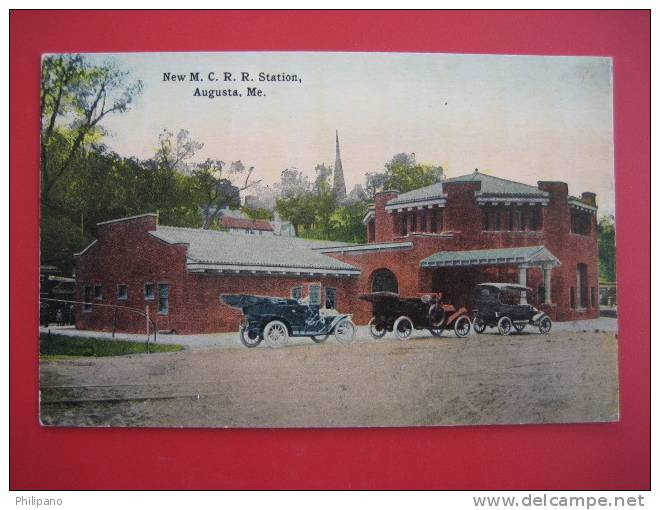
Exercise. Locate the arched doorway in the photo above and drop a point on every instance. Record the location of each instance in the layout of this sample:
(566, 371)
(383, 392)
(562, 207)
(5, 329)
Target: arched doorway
(384, 280)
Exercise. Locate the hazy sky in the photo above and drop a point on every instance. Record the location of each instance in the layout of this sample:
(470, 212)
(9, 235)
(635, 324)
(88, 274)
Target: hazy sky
(518, 117)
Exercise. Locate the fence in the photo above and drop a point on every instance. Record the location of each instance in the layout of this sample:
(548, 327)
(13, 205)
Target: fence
(149, 323)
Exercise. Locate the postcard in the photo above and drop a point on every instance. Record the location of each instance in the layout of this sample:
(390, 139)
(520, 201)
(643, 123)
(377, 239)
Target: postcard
(307, 239)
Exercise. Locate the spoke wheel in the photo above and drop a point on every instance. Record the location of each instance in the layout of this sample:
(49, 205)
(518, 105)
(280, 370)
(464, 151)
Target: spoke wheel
(320, 339)
(479, 325)
(276, 334)
(403, 328)
(249, 338)
(462, 326)
(345, 331)
(504, 326)
(375, 329)
(436, 331)
(519, 326)
(545, 325)
(437, 317)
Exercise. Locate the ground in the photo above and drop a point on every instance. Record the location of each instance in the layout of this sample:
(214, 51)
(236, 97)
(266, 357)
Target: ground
(569, 375)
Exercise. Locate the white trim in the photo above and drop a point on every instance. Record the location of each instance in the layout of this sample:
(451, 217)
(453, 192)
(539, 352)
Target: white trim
(366, 247)
(508, 200)
(578, 204)
(368, 216)
(272, 270)
(127, 218)
(86, 248)
(412, 204)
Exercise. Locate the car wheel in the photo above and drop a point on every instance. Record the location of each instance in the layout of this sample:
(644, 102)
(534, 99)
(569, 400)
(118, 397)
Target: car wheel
(504, 326)
(320, 339)
(276, 334)
(403, 328)
(249, 338)
(519, 326)
(462, 326)
(345, 331)
(545, 324)
(479, 325)
(437, 316)
(375, 329)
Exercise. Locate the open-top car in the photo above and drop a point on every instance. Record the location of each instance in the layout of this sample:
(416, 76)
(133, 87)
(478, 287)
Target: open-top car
(503, 306)
(403, 315)
(275, 319)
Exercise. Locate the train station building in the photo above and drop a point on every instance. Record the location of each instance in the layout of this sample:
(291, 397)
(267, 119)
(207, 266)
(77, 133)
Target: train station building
(446, 238)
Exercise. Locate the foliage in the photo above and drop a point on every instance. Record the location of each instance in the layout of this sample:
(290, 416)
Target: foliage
(75, 97)
(404, 174)
(57, 346)
(606, 248)
(257, 214)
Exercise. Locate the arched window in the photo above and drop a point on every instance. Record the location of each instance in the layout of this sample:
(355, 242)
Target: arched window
(384, 280)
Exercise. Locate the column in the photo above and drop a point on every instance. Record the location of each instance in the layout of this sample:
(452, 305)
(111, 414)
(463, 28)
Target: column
(547, 283)
(522, 280)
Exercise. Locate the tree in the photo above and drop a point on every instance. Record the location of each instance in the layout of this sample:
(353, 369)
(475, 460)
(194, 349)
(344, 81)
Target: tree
(175, 151)
(293, 182)
(75, 97)
(374, 182)
(405, 174)
(323, 176)
(606, 248)
(214, 191)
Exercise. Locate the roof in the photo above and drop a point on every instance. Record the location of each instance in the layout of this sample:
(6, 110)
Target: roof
(432, 192)
(244, 223)
(499, 285)
(496, 186)
(490, 187)
(212, 250)
(525, 255)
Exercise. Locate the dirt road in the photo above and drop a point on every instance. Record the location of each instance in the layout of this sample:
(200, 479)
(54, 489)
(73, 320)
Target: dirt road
(487, 379)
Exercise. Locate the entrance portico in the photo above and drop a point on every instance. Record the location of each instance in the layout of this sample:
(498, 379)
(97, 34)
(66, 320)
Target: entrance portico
(520, 258)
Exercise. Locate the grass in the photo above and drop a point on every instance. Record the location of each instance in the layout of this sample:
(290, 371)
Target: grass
(54, 347)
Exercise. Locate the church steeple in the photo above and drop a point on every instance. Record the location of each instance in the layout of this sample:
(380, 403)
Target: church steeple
(338, 183)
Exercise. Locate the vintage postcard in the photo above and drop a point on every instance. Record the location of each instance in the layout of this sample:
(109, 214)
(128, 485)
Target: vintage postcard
(326, 240)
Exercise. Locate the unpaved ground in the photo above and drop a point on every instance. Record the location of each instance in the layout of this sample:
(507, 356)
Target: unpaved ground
(487, 379)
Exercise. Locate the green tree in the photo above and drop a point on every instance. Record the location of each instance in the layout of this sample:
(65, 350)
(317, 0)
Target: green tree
(75, 97)
(404, 174)
(606, 248)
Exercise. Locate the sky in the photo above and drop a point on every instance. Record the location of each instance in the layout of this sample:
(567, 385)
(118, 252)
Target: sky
(525, 118)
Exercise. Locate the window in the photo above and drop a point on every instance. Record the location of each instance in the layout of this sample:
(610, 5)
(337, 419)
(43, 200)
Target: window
(594, 304)
(541, 294)
(413, 222)
(571, 297)
(535, 219)
(510, 217)
(163, 298)
(87, 306)
(315, 294)
(497, 220)
(434, 220)
(98, 292)
(484, 218)
(519, 219)
(403, 219)
(582, 286)
(580, 222)
(422, 221)
(149, 289)
(330, 298)
(122, 291)
(296, 292)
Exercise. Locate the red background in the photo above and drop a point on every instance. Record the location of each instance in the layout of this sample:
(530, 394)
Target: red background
(585, 456)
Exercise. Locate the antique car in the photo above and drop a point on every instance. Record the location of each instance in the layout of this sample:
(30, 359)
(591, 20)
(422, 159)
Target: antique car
(275, 319)
(403, 315)
(500, 305)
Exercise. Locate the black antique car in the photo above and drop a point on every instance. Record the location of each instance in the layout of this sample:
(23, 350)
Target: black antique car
(402, 315)
(500, 305)
(275, 319)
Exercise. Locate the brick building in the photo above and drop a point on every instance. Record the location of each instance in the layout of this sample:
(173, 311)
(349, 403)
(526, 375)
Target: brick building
(445, 237)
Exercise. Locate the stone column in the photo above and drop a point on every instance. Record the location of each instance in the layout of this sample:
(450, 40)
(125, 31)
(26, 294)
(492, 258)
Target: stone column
(547, 283)
(522, 280)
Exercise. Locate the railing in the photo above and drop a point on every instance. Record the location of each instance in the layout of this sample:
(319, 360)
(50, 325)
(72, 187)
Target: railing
(151, 325)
